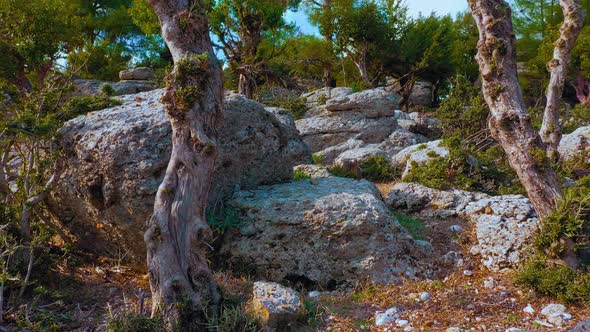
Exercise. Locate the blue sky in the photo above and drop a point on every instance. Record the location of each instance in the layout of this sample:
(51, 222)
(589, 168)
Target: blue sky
(415, 7)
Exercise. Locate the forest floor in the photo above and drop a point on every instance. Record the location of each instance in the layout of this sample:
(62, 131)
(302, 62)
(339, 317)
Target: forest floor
(84, 292)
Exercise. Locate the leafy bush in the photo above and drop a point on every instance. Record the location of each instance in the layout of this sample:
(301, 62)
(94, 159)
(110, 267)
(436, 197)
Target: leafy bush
(295, 105)
(300, 175)
(566, 229)
(578, 117)
(317, 159)
(82, 105)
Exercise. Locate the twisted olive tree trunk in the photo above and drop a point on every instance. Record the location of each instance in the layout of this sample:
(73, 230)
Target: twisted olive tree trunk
(183, 287)
(510, 123)
(573, 22)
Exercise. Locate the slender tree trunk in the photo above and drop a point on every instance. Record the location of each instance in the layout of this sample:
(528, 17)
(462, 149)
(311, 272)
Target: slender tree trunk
(182, 284)
(510, 123)
(573, 22)
(361, 64)
(246, 84)
(583, 90)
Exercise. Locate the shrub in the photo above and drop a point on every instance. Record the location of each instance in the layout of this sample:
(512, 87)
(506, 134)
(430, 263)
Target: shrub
(378, 169)
(128, 321)
(225, 219)
(579, 116)
(107, 90)
(300, 175)
(564, 230)
(317, 158)
(81, 105)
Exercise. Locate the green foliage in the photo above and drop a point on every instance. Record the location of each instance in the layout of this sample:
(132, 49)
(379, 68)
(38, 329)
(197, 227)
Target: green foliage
(567, 226)
(414, 226)
(378, 169)
(374, 168)
(227, 218)
(300, 175)
(295, 105)
(82, 105)
(317, 159)
(578, 117)
(107, 90)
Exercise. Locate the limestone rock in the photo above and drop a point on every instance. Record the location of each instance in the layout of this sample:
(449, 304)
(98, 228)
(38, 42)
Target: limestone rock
(582, 326)
(389, 316)
(504, 224)
(325, 231)
(137, 74)
(274, 306)
(313, 171)
(94, 87)
(574, 144)
(421, 94)
(419, 153)
(116, 159)
(319, 97)
(555, 313)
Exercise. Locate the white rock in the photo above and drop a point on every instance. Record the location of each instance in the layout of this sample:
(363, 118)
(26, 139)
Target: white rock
(389, 316)
(425, 296)
(555, 313)
(468, 273)
(314, 293)
(542, 323)
(455, 329)
(529, 309)
(455, 228)
(401, 322)
(490, 283)
(409, 329)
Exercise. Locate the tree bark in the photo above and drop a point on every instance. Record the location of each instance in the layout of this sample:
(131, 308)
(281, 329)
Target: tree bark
(583, 90)
(573, 22)
(510, 124)
(246, 84)
(361, 64)
(182, 284)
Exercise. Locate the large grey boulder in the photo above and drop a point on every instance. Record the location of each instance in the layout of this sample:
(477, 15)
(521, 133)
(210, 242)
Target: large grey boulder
(320, 96)
(94, 87)
(137, 74)
(504, 225)
(324, 231)
(421, 94)
(575, 144)
(116, 159)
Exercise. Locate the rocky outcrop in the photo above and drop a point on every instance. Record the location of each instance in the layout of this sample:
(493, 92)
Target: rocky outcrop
(94, 87)
(343, 125)
(575, 144)
(116, 159)
(274, 307)
(504, 224)
(312, 171)
(324, 231)
(137, 74)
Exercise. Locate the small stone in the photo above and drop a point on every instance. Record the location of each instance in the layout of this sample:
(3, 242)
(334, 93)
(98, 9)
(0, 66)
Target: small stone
(490, 283)
(274, 305)
(401, 322)
(455, 329)
(529, 309)
(455, 229)
(408, 329)
(314, 293)
(390, 315)
(468, 273)
(425, 296)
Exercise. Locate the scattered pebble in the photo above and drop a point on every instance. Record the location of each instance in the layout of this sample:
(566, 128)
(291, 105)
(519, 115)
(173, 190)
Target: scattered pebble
(468, 273)
(455, 329)
(408, 329)
(401, 322)
(529, 309)
(490, 283)
(455, 228)
(425, 296)
(390, 315)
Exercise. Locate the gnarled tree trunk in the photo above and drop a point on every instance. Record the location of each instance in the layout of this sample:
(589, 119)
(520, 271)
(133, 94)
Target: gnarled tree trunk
(177, 237)
(510, 123)
(570, 30)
